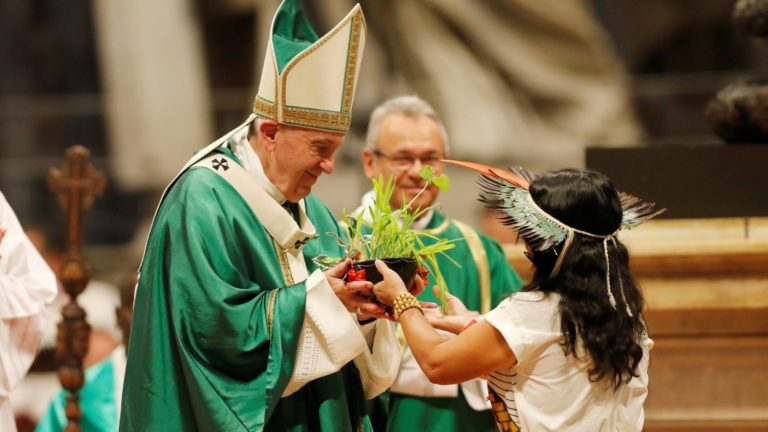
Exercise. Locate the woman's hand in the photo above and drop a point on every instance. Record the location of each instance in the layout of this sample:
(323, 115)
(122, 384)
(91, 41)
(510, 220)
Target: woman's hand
(457, 315)
(388, 289)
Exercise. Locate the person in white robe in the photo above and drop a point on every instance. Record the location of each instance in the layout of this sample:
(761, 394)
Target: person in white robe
(27, 285)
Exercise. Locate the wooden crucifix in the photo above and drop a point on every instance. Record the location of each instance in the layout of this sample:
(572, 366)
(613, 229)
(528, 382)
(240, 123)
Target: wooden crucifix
(75, 187)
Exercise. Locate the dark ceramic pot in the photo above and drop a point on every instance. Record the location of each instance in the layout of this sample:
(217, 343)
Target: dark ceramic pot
(404, 267)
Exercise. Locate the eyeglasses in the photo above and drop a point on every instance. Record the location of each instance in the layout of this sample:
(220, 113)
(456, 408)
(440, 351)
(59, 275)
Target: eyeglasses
(402, 162)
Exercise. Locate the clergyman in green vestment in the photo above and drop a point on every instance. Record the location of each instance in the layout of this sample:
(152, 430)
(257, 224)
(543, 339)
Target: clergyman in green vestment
(234, 327)
(404, 134)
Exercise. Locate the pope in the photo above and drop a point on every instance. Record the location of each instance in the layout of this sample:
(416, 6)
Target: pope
(234, 326)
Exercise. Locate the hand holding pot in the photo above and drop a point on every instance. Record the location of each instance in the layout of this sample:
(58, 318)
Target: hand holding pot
(391, 285)
(457, 315)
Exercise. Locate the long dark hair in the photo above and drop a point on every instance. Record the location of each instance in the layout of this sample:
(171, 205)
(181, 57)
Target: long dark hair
(587, 200)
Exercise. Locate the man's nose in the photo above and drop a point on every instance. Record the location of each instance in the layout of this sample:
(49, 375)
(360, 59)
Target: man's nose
(415, 167)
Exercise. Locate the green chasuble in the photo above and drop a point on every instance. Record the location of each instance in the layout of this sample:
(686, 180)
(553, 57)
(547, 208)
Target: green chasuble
(483, 281)
(216, 325)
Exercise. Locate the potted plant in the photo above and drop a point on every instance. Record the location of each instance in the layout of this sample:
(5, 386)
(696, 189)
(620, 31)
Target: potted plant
(380, 232)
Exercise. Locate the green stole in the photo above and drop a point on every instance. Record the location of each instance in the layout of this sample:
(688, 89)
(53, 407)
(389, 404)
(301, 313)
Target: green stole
(216, 325)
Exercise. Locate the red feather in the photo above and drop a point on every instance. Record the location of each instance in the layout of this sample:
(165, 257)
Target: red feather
(493, 172)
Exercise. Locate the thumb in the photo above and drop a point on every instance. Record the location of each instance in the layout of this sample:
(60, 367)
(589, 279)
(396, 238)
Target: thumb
(339, 269)
(383, 269)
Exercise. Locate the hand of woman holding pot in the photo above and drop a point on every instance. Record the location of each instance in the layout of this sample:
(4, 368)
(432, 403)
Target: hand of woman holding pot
(457, 317)
(390, 287)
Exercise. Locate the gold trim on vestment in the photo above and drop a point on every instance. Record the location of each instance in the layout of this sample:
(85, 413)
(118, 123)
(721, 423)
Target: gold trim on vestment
(284, 266)
(285, 269)
(481, 262)
(438, 229)
(271, 311)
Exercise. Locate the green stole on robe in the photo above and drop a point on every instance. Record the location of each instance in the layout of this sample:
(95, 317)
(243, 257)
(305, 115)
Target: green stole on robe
(216, 327)
(425, 414)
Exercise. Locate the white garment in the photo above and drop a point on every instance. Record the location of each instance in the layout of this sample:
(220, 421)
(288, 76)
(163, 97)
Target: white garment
(119, 359)
(26, 286)
(549, 391)
(99, 299)
(330, 336)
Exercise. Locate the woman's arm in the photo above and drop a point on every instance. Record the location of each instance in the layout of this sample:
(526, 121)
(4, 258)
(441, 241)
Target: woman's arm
(475, 352)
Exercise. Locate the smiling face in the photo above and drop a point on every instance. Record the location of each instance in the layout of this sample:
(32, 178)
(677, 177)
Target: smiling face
(403, 146)
(294, 158)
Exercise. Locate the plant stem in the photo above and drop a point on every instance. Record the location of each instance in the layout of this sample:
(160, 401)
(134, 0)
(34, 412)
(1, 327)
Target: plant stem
(426, 185)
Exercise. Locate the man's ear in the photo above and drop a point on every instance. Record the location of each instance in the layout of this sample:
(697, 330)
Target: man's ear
(369, 164)
(267, 132)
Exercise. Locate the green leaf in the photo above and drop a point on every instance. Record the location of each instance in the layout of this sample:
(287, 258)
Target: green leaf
(443, 182)
(325, 261)
(426, 173)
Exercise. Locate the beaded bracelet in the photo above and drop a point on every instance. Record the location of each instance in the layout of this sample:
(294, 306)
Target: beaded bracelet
(404, 302)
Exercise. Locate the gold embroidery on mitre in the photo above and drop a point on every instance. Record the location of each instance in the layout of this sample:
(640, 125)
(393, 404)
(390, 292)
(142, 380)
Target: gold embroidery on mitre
(327, 120)
(353, 54)
(264, 108)
(318, 119)
(277, 84)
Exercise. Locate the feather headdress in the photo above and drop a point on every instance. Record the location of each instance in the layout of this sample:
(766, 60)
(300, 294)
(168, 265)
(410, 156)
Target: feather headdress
(508, 192)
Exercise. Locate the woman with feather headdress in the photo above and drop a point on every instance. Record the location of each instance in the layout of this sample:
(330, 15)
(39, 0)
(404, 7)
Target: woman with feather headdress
(570, 351)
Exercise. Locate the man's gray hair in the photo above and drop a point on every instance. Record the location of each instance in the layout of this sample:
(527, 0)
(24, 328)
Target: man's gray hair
(409, 106)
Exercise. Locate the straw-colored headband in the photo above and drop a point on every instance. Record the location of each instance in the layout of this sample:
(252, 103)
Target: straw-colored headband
(508, 192)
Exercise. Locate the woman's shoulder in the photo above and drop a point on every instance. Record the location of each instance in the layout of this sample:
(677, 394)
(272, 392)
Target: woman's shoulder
(527, 308)
(531, 299)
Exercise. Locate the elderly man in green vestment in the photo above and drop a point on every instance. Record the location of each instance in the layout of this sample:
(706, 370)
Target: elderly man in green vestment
(234, 327)
(405, 134)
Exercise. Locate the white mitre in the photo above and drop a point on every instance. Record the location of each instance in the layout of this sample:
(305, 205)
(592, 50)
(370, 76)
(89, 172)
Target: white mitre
(309, 81)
